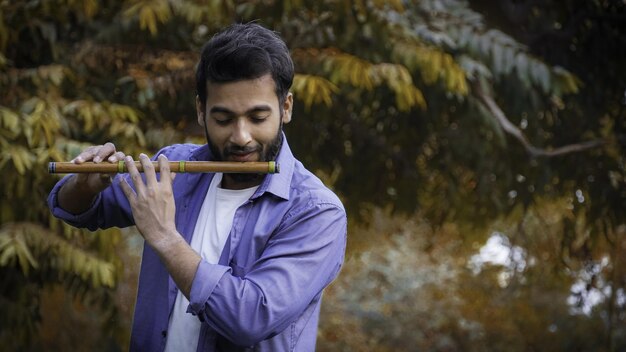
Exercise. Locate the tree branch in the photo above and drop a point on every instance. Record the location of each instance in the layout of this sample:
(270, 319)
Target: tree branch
(514, 131)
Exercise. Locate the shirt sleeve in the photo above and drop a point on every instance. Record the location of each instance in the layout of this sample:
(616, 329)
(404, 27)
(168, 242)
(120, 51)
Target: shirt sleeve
(299, 261)
(110, 208)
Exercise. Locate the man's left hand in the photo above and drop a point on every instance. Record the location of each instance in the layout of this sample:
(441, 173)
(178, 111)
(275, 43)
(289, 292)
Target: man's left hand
(152, 202)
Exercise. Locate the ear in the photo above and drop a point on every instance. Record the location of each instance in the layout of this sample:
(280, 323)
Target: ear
(287, 108)
(200, 111)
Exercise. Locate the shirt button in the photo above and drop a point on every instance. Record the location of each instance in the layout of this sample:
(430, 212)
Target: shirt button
(164, 333)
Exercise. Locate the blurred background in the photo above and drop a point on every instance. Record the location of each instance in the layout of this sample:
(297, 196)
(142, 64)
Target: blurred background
(478, 147)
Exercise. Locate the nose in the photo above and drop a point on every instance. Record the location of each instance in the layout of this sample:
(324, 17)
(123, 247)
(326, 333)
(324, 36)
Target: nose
(240, 134)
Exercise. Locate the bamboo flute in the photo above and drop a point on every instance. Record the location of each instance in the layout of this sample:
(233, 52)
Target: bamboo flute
(269, 167)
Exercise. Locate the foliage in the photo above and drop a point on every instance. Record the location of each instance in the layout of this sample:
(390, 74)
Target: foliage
(47, 114)
(414, 287)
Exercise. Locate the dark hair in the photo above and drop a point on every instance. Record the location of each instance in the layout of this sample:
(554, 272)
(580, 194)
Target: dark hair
(245, 51)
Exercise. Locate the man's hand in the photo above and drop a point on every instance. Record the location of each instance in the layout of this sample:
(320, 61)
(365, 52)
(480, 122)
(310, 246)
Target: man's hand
(152, 203)
(97, 154)
(154, 211)
(78, 193)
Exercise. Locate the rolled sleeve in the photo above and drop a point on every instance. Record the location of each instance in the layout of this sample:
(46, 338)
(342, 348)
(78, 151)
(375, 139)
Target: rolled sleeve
(206, 278)
(298, 262)
(109, 208)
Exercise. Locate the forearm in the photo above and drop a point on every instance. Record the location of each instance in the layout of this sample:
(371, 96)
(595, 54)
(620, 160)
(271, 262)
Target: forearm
(79, 192)
(252, 302)
(153, 207)
(180, 260)
(74, 198)
(260, 304)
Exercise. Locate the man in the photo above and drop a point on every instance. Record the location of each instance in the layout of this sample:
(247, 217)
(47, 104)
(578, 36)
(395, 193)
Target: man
(231, 261)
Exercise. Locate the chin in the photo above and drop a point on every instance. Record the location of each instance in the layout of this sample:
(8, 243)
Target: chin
(245, 178)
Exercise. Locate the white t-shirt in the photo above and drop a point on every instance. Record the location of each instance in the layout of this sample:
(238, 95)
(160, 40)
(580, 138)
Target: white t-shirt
(209, 236)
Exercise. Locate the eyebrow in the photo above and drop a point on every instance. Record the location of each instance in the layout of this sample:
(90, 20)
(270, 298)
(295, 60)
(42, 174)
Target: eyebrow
(254, 109)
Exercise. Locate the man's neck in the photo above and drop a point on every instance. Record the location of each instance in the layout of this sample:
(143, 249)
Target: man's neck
(228, 182)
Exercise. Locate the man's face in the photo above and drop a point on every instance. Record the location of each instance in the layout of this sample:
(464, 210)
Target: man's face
(243, 122)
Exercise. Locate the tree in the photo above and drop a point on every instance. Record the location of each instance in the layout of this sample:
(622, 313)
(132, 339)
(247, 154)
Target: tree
(46, 113)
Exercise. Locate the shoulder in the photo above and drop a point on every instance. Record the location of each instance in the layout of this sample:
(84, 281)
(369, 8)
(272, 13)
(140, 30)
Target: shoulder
(308, 192)
(179, 151)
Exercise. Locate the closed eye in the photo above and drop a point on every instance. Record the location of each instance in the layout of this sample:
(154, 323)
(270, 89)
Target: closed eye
(224, 116)
(260, 117)
(222, 119)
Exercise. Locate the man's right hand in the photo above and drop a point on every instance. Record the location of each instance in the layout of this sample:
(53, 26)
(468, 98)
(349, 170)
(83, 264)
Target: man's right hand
(78, 193)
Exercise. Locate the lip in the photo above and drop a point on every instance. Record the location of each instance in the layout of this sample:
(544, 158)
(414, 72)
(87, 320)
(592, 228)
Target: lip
(242, 157)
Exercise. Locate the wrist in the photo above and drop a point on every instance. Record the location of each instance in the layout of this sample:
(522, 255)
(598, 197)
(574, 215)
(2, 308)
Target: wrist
(169, 241)
(81, 185)
(75, 196)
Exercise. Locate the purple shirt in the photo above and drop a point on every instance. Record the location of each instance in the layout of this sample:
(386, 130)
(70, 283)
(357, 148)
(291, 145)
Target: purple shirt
(287, 243)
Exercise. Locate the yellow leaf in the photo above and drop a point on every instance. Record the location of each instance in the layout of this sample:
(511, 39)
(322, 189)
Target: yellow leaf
(7, 254)
(51, 123)
(10, 120)
(22, 158)
(313, 90)
(147, 19)
(12, 248)
(106, 275)
(346, 68)
(141, 139)
(24, 256)
(149, 12)
(433, 65)
(87, 116)
(408, 96)
(95, 274)
(53, 73)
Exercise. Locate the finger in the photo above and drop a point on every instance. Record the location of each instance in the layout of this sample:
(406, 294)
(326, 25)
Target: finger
(85, 155)
(128, 191)
(148, 170)
(117, 156)
(164, 169)
(134, 175)
(104, 152)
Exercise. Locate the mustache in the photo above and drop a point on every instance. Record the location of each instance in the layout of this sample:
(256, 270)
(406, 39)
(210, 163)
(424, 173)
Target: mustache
(235, 149)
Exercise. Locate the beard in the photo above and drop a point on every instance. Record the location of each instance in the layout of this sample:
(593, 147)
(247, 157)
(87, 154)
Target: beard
(268, 154)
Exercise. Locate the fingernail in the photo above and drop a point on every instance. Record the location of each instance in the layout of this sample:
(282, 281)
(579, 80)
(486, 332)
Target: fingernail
(97, 159)
(129, 158)
(142, 155)
(111, 158)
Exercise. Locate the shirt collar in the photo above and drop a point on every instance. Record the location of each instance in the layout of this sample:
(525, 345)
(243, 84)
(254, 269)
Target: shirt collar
(202, 153)
(277, 184)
